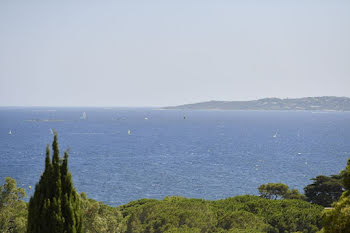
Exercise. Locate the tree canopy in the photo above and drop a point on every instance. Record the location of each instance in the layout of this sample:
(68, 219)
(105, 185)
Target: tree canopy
(338, 219)
(13, 210)
(55, 206)
(324, 190)
(99, 217)
(244, 214)
(276, 191)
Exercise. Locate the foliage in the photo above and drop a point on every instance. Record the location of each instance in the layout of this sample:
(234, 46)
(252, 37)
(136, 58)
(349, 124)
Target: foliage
(280, 215)
(99, 217)
(242, 214)
(273, 190)
(338, 219)
(191, 215)
(276, 191)
(324, 190)
(55, 206)
(294, 194)
(346, 176)
(241, 220)
(132, 206)
(13, 210)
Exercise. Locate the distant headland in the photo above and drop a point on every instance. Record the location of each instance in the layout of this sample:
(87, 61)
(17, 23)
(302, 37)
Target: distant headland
(323, 103)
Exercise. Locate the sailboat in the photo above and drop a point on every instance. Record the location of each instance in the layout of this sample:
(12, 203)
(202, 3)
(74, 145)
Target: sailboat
(275, 135)
(83, 117)
(10, 132)
(129, 132)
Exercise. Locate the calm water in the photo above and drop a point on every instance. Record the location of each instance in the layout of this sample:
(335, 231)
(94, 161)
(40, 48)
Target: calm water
(209, 154)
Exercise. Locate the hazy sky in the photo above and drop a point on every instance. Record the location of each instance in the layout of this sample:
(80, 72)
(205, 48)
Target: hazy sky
(156, 53)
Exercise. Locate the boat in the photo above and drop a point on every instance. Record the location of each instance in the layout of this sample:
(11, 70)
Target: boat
(10, 132)
(275, 135)
(129, 132)
(83, 117)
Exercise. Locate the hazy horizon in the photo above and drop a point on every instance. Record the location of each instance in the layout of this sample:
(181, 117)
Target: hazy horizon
(166, 53)
(144, 106)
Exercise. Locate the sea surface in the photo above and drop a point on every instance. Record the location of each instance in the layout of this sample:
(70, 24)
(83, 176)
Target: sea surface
(122, 154)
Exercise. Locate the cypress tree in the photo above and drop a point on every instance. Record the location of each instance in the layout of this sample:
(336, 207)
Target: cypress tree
(55, 205)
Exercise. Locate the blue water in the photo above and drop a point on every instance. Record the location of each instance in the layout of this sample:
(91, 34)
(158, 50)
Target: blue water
(210, 154)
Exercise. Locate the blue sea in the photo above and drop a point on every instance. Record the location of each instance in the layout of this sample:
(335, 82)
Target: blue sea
(119, 155)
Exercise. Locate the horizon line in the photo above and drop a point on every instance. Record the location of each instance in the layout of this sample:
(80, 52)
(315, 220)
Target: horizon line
(148, 106)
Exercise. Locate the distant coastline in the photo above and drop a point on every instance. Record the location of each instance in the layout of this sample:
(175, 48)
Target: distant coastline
(323, 103)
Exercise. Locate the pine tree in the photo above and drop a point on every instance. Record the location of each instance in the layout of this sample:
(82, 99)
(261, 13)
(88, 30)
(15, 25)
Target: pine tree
(55, 206)
(337, 219)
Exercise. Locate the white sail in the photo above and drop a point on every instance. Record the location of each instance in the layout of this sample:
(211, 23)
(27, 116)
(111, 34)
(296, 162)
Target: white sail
(129, 132)
(275, 135)
(83, 117)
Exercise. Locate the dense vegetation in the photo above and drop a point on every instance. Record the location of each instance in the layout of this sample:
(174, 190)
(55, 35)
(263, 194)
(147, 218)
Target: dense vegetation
(338, 219)
(99, 217)
(237, 214)
(13, 210)
(279, 191)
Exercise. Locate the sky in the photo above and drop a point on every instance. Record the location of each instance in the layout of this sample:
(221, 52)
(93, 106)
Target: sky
(161, 53)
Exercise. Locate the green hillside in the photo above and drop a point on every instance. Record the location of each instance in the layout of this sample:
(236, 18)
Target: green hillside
(325, 103)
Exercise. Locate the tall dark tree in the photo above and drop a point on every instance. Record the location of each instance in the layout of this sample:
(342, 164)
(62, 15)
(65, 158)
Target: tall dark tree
(55, 206)
(325, 190)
